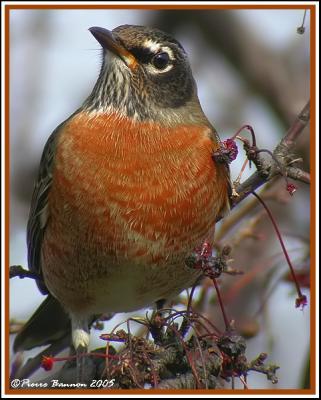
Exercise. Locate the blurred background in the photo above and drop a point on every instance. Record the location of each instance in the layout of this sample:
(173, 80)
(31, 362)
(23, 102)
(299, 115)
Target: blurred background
(251, 67)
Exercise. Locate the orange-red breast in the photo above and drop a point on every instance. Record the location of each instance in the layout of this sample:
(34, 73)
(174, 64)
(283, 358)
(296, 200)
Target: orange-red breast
(127, 187)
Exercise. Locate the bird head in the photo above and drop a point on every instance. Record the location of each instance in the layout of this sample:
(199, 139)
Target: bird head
(145, 75)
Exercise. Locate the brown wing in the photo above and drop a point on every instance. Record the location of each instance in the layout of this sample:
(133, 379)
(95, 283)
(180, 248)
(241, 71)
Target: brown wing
(39, 211)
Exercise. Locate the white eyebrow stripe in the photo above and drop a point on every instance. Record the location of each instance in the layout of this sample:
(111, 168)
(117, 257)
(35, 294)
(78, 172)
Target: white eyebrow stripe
(155, 47)
(152, 46)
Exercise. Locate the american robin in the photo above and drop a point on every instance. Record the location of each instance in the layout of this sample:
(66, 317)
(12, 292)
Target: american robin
(127, 189)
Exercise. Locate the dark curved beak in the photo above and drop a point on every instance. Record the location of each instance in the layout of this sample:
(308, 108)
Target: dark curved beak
(108, 42)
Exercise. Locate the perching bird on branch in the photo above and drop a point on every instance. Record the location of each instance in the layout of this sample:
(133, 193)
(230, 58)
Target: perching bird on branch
(127, 189)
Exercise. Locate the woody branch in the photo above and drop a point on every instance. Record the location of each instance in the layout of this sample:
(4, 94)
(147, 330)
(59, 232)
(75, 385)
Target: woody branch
(282, 153)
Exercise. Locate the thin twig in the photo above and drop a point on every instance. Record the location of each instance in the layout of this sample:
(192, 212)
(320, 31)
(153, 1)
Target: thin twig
(18, 270)
(300, 294)
(297, 127)
(220, 300)
(298, 175)
(281, 152)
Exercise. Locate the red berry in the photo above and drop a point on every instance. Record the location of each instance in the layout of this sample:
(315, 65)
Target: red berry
(47, 363)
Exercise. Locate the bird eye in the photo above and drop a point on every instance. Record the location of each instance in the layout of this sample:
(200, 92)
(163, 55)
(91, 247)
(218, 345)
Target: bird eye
(160, 60)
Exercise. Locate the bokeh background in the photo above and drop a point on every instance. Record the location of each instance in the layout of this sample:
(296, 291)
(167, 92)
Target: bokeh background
(251, 67)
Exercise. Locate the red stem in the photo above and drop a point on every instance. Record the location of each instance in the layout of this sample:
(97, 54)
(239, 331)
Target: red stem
(281, 243)
(226, 321)
(250, 129)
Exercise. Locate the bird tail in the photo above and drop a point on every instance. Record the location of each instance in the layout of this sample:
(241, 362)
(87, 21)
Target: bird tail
(49, 323)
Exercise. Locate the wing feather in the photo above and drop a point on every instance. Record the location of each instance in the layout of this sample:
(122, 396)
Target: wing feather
(39, 210)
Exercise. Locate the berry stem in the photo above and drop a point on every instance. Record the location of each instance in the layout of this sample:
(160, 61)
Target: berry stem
(226, 321)
(250, 129)
(300, 294)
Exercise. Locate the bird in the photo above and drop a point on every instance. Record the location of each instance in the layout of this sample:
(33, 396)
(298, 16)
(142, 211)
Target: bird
(127, 188)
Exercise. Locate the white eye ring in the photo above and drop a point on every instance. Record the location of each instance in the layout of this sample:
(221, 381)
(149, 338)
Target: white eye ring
(156, 48)
(161, 62)
(152, 69)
